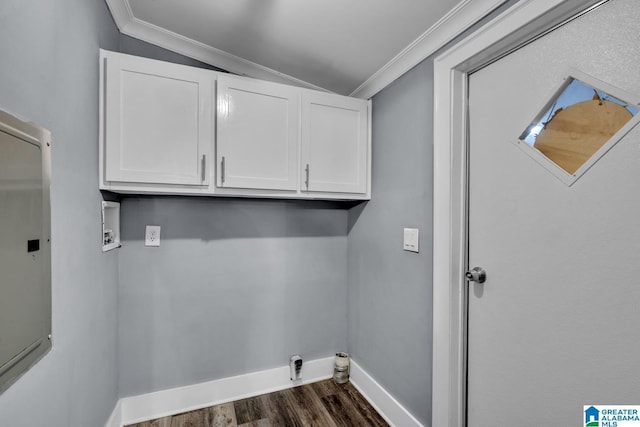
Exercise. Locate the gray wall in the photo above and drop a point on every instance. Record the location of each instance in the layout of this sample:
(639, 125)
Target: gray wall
(390, 310)
(390, 290)
(137, 47)
(236, 286)
(49, 75)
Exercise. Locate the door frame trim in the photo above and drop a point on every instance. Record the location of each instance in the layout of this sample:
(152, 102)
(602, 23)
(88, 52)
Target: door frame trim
(517, 26)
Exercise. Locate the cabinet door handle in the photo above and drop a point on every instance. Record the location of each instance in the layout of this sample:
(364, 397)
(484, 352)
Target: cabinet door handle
(306, 171)
(204, 167)
(222, 171)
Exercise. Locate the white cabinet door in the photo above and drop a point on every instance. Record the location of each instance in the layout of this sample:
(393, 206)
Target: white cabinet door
(257, 134)
(335, 143)
(158, 119)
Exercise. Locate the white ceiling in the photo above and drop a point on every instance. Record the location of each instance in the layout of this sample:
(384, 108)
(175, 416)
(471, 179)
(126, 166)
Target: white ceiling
(342, 46)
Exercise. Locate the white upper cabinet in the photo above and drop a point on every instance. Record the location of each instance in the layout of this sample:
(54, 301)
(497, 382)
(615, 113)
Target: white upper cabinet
(335, 143)
(157, 122)
(257, 134)
(172, 129)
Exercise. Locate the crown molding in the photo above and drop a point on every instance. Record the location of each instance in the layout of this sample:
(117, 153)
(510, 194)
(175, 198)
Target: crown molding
(128, 24)
(461, 17)
(121, 12)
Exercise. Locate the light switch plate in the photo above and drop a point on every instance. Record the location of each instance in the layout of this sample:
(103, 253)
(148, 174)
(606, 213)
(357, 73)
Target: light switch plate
(411, 238)
(152, 235)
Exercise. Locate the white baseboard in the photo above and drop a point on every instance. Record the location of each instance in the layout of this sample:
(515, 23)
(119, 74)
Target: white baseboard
(115, 420)
(131, 410)
(386, 405)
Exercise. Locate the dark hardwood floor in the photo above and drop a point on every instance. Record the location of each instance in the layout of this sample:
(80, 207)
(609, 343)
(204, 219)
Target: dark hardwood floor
(324, 403)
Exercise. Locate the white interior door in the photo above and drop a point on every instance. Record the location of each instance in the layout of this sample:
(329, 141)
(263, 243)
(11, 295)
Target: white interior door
(555, 325)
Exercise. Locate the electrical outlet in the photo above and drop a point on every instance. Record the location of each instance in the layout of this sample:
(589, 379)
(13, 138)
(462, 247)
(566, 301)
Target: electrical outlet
(411, 240)
(152, 235)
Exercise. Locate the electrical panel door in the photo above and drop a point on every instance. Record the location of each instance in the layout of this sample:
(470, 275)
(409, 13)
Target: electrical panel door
(25, 274)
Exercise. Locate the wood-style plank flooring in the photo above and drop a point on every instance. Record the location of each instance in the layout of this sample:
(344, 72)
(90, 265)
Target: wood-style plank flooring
(324, 403)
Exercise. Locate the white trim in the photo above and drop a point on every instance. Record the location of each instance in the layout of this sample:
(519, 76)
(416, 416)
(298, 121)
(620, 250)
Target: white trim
(515, 26)
(461, 17)
(131, 410)
(386, 405)
(134, 409)
(121, 12)
(130, 25)
(115, 420)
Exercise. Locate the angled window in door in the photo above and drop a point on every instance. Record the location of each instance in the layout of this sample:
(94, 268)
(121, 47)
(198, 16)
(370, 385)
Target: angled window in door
(578, 125)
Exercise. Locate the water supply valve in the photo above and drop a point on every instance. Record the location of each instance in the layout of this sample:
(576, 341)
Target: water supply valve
(295, 366)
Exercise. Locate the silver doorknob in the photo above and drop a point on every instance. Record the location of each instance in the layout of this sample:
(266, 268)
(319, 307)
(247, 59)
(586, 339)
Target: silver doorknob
(476, 274)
